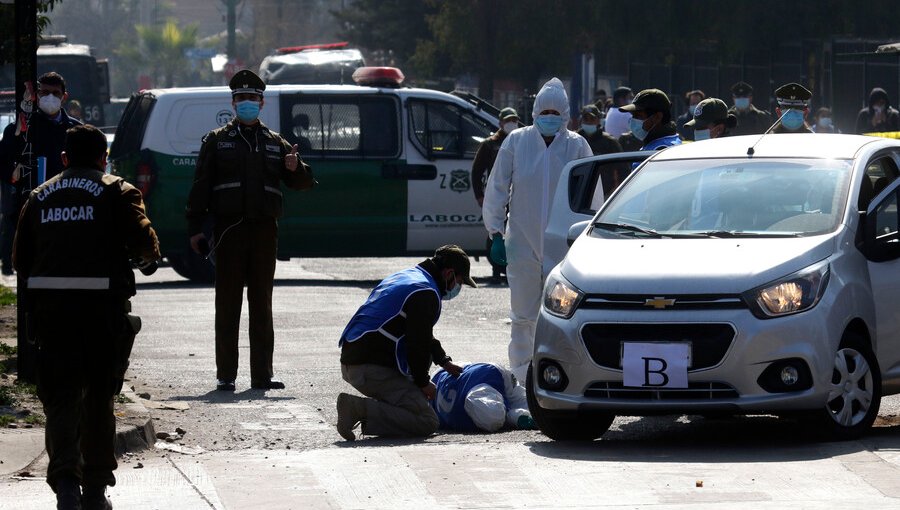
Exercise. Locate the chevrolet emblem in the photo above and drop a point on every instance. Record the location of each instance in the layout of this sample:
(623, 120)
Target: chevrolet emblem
(659, 302)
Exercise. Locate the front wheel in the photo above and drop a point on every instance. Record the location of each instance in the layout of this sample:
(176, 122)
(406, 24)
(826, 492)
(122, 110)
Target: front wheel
(854, 391)
(566, 425)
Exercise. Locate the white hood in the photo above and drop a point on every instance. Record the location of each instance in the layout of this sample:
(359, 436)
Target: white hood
(687, 266)
(552, 96)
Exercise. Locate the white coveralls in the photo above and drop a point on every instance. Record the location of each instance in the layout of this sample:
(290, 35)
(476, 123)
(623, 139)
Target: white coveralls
(524, 176)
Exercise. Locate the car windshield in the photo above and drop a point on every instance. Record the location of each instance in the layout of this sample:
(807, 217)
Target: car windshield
(729, 198)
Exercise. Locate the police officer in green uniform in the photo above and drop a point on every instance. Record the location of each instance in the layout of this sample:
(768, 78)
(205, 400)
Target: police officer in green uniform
(600, 141)
(76, 235)
(237, 181)
(793, 107)
(750, 119)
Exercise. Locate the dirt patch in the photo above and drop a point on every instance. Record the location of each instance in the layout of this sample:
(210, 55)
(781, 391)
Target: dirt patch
(19, 405)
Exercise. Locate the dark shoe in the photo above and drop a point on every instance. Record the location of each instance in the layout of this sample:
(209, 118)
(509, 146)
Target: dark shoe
(351, 410)
(223, 385)
(271, 384)
(68, 494)
(95, 499)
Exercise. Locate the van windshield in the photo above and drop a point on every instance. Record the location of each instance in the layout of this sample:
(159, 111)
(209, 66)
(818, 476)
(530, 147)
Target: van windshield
(729, 198)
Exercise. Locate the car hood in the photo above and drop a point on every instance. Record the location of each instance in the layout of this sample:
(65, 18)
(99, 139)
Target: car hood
(687, 266)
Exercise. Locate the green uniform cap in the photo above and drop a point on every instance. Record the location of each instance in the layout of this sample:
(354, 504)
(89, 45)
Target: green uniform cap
(741, 89)
(709, 111)
(793, 95)
(653, 100)
(246, 81)
(453, 257)
(508, 113)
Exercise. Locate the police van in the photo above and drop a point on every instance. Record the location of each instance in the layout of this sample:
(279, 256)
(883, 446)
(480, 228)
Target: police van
(393, 165)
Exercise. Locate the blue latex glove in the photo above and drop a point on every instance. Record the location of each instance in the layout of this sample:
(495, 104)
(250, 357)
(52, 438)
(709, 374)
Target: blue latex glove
(498, 249)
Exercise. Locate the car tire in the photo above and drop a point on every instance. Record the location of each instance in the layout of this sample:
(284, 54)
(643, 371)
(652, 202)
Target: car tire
(854, 392)
(193, 267)
(566, 425)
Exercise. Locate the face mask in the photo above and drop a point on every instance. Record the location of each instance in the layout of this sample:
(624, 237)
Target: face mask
(548, 125)
(49, 104)
(825, 122)
(589, 129)
(247, 111)
(637, 128)
(878, 108)
(701, 134)
(452, 293)
(742, 103)
(508, 127)
(792, 120)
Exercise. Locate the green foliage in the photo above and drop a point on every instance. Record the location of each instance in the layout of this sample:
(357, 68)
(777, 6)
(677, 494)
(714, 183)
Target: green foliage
(5, 420)
(8, 350)
(7, 297)
(122, 399)
(7, 396)
(160, 51)
(35, 419)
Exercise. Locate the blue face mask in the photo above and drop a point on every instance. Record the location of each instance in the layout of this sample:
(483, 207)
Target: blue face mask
(452, 293)
(701, 134)
(637, 128)
(247, 111)
(589, 129)
(792, 120)
(548, 125)
(742, 103)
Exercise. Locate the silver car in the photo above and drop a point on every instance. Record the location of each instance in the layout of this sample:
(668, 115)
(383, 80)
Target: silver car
(742, 275)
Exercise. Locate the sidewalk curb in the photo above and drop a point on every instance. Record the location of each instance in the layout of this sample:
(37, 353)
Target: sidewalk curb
(134, 430)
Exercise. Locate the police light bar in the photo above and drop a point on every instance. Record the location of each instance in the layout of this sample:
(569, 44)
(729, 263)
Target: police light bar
(297, 49)
(378, 77)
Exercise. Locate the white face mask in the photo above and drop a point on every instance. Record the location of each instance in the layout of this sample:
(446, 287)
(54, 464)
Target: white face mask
(508, 127)
(49, 104)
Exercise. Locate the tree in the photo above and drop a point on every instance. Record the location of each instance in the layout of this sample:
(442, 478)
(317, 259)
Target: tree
(160, 51)
(393, 27)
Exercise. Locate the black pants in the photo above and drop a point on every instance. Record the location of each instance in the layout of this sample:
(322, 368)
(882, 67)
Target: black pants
(245, 255)
(75, 383)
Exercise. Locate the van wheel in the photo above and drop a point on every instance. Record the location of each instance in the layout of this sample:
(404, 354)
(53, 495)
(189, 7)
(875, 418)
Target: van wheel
(854, 392)
(566, 425)
(193, 267)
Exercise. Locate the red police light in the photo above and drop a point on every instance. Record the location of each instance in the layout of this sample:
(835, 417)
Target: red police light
(328, 46)
(378, 77)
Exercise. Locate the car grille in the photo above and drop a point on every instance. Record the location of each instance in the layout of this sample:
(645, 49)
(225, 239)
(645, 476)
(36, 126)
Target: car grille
(709, 342)
(694, 391)
(677, 302)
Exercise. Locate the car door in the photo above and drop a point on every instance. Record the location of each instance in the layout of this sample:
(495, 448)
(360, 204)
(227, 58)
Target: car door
(881, 246)
(584, 185)
(441, 207)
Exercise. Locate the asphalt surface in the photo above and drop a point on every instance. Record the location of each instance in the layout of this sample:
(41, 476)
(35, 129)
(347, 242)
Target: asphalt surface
(279, 449)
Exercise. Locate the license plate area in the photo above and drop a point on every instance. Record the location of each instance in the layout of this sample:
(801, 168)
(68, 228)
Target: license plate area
(655, 364)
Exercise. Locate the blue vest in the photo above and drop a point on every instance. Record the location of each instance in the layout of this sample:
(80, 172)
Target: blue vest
(659, 143)
(386, 302)
(449, 403)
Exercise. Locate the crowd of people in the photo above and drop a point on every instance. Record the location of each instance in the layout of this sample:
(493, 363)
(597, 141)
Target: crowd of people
(77, 292)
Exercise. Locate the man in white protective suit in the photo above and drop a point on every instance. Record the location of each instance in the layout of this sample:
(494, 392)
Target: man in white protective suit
(524, 177)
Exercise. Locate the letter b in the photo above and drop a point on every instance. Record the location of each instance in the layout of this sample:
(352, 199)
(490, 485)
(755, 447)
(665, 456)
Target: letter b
(660, 370)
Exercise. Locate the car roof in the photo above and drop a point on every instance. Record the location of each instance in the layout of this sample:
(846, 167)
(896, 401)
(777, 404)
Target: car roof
(309, 89)
(793, 145)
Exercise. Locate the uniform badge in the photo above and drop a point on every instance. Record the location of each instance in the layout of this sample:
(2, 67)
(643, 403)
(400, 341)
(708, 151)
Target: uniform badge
(232, 133)
(225, 145)
(273, 148)
(459, 181)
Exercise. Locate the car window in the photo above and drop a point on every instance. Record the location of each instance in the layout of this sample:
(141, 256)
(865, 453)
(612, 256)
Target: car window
(441, 129)
(341, 126)
(794, 197)
(886, 221)
(593, 182)
(130, 132)
(879, 173)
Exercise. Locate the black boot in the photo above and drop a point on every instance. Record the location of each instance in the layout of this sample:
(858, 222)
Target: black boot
(95, 498)
(68, 494)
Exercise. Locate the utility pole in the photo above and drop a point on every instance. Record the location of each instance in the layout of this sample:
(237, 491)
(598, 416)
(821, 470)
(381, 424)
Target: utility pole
(26, 75)
(231, 49)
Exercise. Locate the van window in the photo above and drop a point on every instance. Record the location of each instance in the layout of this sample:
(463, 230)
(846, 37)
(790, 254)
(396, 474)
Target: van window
(445, 130)
(130, 132)
(341, 126)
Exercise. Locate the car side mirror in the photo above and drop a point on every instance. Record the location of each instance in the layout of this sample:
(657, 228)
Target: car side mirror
(575, 231)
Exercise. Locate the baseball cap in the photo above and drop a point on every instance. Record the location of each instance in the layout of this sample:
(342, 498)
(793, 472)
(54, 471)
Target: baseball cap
(648, 99)
(507, 113)
(708, 111)
(591, 110)
(453, 257)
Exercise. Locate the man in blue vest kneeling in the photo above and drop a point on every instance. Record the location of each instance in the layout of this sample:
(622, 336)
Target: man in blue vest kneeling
(388, 347)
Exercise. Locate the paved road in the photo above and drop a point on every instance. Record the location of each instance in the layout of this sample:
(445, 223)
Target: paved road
(278, 449)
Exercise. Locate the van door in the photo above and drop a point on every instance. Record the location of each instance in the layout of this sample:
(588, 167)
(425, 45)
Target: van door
(584, 185)
(352, 143)
(441, 205)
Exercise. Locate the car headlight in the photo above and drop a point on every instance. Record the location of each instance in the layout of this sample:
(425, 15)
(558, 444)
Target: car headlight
(792, 294)
(561, 298)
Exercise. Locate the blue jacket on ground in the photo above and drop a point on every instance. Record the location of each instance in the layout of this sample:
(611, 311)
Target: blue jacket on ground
(449, 403)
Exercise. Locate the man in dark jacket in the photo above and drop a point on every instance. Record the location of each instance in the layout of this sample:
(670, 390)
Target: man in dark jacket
(879, 116)
(600, 141)
(388, 345)
(76, 236)
(750, 119)
(651, 120)
(691, 100)
(238, 181)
